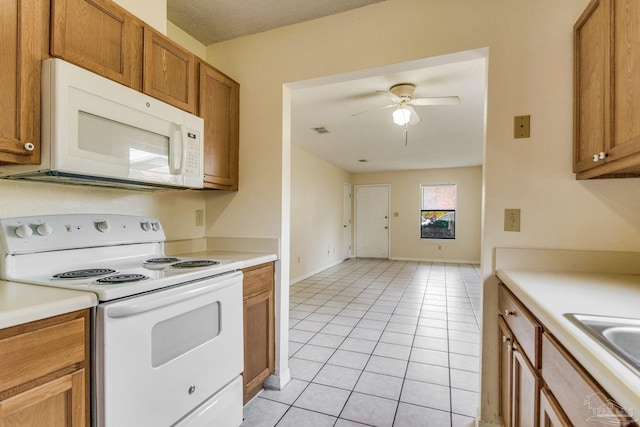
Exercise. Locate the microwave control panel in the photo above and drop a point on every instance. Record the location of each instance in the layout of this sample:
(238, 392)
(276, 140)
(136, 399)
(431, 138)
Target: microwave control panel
(192, 154)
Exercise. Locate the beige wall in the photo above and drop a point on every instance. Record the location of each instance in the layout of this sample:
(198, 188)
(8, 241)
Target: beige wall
(176, 34)
(405, 195)
(530, 72)
(153, 12)
(316, 213)
(175, 209)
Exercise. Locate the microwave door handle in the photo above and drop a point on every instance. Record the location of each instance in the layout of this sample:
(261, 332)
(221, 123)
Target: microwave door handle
(177, 150)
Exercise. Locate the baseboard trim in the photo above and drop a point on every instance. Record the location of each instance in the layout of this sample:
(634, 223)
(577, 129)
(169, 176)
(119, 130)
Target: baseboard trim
(313, 273)
(455, 261)
(277, 381)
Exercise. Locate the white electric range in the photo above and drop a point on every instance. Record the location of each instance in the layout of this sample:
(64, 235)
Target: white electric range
(167, 333)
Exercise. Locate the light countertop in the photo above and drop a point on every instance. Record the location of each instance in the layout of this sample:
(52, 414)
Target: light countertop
(549, 295)
(22, 303)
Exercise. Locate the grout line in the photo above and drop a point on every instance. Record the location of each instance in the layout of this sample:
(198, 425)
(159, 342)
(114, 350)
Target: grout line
(369, 282)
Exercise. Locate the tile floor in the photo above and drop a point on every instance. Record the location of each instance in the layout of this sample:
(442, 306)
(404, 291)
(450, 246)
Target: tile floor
(380, 343)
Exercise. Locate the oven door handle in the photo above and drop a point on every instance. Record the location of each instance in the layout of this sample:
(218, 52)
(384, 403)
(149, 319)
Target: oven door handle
(151, 302)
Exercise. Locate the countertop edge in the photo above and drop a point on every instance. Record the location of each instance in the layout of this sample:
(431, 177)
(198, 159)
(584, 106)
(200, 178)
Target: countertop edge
(28, 303)
(613, 375)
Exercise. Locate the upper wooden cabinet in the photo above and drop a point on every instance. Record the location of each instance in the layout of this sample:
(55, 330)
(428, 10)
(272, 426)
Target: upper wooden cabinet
(24, 44)
(607, 90)
(100, 36)
(104, 38)
(218, 105)
(169, 71)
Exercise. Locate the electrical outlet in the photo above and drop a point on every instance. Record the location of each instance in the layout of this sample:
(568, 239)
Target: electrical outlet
(512, 220)
(522, 126)
(199, 218)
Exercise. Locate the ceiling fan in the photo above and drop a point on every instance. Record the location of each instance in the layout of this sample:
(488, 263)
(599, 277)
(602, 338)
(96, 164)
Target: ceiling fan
(403, 102)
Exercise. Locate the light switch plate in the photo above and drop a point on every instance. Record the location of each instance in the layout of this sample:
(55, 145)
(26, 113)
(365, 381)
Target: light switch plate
(512, 220)
(522, 126)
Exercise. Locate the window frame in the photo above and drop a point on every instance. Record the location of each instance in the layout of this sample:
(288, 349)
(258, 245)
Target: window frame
(440, 211)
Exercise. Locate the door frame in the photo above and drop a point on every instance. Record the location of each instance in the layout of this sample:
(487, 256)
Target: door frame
(355, 217)
(348, 224)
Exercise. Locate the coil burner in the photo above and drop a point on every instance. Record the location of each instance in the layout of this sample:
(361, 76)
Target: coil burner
(83, 274)
(195, 263)
(121, 278)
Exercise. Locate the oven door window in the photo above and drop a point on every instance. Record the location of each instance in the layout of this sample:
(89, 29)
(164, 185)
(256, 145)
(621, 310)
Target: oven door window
(178, 335)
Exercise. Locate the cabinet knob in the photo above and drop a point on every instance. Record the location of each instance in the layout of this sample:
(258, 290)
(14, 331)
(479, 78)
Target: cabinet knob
(514, 347)
(599, 156)
(29, 146)
(506, 338)
(509, 313)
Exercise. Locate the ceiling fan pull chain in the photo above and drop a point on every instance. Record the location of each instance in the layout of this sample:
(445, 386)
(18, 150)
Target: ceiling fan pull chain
(406, 133)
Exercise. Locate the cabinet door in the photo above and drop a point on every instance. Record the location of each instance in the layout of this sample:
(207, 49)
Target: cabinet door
(550, 413)
(504, 360)
(591, 106)
(58, 403)
(219, 107)
(525, 390)
(169, 71)
(259, 342)
(23, 42)
(626, 79)
(100, 36)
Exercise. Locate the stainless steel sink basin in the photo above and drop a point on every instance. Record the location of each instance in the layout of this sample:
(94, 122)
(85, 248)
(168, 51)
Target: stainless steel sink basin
(620, 336)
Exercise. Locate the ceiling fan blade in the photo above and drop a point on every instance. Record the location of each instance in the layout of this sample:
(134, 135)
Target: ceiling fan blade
(415, 117)
(374, 109)
(388, 94)
(436, 100)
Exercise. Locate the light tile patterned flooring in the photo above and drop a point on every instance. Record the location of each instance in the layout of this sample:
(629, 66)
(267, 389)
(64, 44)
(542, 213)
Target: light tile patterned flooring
(380, 343)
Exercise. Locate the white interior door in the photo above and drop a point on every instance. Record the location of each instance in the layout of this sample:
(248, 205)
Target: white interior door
(346, 221)
(372, 221)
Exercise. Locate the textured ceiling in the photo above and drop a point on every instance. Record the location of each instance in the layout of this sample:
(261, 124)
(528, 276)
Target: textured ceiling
(212, 21)
(447, 135)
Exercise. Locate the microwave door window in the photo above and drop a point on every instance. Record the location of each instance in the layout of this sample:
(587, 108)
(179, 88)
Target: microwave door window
(145, 154)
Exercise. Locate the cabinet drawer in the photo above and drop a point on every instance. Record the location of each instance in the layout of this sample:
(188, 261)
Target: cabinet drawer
(524, 326)
(579, 396)
(257, 279)
(28, 352)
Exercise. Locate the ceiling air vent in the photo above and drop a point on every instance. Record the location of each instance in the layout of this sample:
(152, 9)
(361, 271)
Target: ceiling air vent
(321, 129)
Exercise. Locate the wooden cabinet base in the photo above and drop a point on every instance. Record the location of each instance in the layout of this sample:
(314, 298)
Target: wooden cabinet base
(259, 328)
(44, 366)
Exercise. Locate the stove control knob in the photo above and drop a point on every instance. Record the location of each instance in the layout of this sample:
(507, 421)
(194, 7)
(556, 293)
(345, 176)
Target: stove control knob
(146, 225)
(44, 229)
(23, 231)
(102, 226)
(155, 226)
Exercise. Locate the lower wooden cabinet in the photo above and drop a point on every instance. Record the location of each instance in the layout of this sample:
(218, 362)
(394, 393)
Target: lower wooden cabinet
(550, 413)
(518, 358)
(555, 390)
(259, 327)
(45, 372)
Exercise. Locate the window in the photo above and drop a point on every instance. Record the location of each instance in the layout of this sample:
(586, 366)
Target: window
(438, 213)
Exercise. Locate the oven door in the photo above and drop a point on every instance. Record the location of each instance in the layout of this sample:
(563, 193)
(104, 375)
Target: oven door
(159, 356)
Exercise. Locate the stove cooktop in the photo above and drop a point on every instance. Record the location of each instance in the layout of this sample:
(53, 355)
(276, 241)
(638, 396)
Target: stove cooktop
(114, 256)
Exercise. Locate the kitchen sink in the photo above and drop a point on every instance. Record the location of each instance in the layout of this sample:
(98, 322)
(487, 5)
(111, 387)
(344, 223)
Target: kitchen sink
(619, 335)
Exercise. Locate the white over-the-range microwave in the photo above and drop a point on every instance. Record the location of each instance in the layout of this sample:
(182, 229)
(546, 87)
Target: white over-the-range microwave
(99, 132)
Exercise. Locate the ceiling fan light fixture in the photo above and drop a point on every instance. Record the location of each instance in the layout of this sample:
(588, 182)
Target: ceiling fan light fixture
(401, 116)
